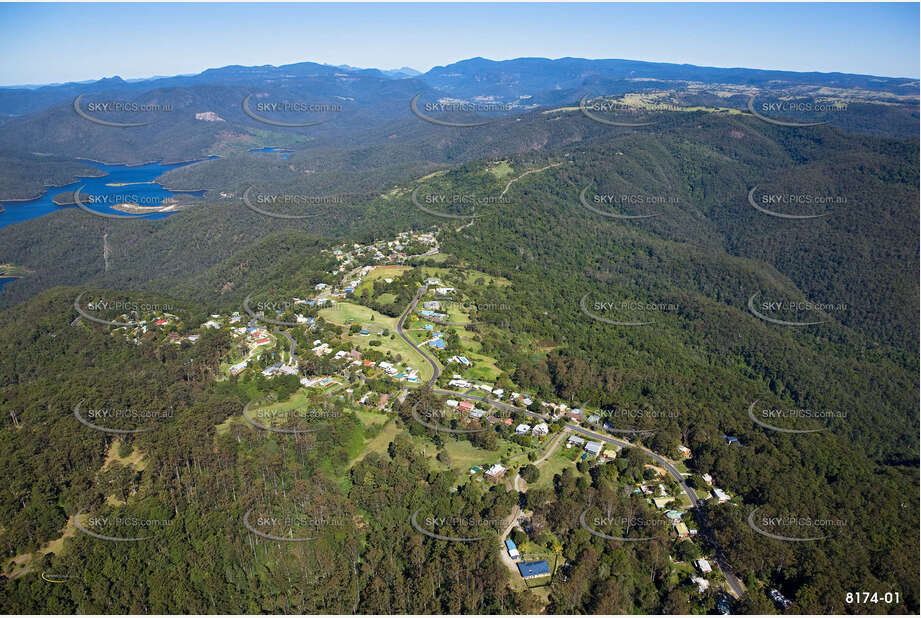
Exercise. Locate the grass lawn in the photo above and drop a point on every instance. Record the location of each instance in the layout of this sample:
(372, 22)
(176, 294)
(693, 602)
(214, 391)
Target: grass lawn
(345, 313)
(464, 455)
(438, 258)
(133, 460)
(380, 442)
(554, 465)
(484, 368)
(465, 276)
(500, 169)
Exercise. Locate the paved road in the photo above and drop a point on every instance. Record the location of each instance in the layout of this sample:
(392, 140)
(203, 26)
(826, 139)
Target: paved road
(293, 347)
(735, 585)
(436, 370)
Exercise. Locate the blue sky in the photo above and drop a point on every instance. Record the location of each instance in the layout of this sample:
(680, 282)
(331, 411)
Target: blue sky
(43, 43)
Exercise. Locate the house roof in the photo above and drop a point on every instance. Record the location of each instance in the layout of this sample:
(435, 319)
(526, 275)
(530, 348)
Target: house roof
(534, 569)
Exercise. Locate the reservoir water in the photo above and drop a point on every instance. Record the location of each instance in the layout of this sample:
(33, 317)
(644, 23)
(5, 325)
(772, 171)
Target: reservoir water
(118, 184)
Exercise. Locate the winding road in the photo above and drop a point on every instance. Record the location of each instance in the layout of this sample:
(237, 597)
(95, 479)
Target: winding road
(735, 585)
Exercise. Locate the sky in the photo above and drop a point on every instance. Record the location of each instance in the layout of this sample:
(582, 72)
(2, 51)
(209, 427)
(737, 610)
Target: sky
(46, 43)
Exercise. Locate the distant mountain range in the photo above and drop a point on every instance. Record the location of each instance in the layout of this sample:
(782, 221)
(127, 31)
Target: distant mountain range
(543, 80)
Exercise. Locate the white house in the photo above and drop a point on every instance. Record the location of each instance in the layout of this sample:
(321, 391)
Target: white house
(720, 495)
(703, 565)
(540, 429)
(522, 429)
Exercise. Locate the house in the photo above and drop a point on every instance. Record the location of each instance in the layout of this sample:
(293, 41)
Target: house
(465, 406)
(681, 530)
(732, 440)
(702, 584)
(707, 478)
(684, 451)
(522, 429)
(495, 472)
(477, 413)
(573, 439)
(778, 598)
(444, 290)
(610, 453)
(451, 403)
(594, 419)
(235, 369)
(662, 501)
(211, 324)
(383, 401)
(459, 359)
(512, 550)
(540, 429)
(161, 322)
(431, 304)
(593, 448)
(703, 565)
(526, 401)
(720, 495)
(530, 570)
(320, 286)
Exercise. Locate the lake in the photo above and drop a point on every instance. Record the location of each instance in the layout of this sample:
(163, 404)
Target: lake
(284, 152)
(119, 184)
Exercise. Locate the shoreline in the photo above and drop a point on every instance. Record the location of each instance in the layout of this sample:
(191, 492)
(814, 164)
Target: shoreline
(47, 188)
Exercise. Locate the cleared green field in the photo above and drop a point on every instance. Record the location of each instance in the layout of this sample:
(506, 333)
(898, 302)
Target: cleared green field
(500, 169)
(345, 313)
(555, 464)
(464, 276)
(380, 442)
(484, 368)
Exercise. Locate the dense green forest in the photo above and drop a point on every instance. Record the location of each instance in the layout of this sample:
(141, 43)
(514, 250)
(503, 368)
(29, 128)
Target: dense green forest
(692, 347)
